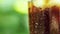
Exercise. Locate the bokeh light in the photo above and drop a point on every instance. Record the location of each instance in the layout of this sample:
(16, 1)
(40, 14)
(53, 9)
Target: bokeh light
(21, 6)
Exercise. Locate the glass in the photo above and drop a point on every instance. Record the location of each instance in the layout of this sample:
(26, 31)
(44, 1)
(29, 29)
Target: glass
(44, 16)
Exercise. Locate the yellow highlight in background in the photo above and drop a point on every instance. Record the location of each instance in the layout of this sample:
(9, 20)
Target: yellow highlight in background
(21, 6)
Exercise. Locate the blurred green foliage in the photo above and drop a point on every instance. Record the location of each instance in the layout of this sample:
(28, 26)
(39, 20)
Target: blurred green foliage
(11, 20)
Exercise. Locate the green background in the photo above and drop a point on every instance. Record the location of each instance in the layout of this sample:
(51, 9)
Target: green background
(14, 17)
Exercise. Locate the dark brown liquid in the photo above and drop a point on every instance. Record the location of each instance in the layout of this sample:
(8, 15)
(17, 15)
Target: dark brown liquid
(39, 21)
